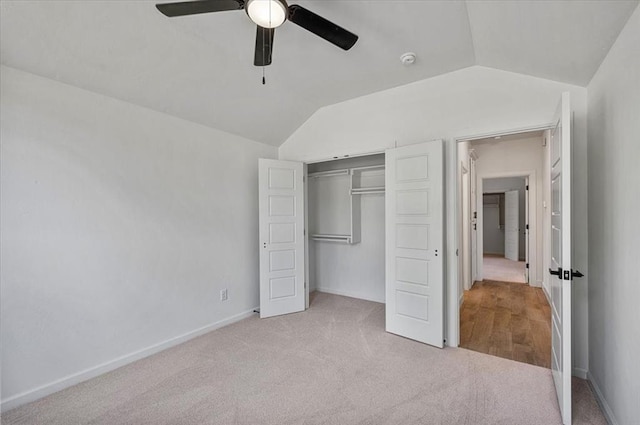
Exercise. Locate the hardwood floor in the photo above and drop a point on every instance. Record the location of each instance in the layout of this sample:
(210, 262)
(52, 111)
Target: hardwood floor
(510, 320)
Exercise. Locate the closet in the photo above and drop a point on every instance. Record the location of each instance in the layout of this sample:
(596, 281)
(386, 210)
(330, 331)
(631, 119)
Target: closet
(346, 227)
(368, 227)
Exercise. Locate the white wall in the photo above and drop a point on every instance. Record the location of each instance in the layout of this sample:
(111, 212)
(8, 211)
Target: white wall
(469, 102)
(120, 225)
(614, 233)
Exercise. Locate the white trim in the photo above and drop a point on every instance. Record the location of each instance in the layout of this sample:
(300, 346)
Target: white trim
(512, 132)
(76, 378)
(532, 214)
(546, 294)
(606, 410)
(339, 157)
(579, 372)
(350, 294)
(452, 316)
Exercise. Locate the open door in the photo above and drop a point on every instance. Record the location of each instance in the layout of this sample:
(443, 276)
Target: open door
(473, 204)
(511, 225)
(281, 210)
(414, 242)
(561, 274)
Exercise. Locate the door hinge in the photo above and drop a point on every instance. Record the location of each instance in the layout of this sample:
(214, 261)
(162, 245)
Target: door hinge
(526, 265)
(526, 187)
(527, 227)
(456, 252)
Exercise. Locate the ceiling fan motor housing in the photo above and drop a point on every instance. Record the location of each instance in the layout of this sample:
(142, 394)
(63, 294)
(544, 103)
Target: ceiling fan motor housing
(267, 13)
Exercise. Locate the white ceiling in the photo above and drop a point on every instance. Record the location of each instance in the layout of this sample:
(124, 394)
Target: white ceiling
(200, 68)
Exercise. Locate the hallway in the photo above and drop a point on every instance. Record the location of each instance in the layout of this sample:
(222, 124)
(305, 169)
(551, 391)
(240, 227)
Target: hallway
(509, 320)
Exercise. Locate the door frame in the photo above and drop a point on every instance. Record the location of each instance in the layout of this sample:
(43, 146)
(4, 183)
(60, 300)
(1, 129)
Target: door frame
(532, 242)
(453, 187)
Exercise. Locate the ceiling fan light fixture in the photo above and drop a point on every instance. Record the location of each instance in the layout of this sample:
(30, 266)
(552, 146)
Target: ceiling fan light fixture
(267, 13)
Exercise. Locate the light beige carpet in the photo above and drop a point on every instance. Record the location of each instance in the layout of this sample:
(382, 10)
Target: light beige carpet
(501, 269)
(333, 364)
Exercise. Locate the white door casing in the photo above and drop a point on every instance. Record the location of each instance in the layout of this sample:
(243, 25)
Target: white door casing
(526, 230)
(511, 225)
(414, 242)
(560, 261)
(473, 204)
(281, 228)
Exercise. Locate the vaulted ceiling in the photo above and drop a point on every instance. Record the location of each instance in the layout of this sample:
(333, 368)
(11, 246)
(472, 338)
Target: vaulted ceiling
(200, 68)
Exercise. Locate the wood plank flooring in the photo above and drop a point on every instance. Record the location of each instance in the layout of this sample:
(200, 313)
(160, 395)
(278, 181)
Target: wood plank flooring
(510, 320)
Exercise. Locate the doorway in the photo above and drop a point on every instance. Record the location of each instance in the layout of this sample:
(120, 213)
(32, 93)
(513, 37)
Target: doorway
(505, 214)
(504, 311)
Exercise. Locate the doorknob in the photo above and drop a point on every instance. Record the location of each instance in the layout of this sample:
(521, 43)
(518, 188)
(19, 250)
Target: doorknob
(576, 274)
(556, 272)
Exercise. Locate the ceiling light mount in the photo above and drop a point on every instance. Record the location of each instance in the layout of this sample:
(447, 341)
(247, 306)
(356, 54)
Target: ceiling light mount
(408, 58)
(267, 13)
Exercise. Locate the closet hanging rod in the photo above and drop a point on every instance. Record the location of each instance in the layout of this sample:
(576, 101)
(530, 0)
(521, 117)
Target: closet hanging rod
(369, 167)
(366, 191)
(330, 173)
(332, 238)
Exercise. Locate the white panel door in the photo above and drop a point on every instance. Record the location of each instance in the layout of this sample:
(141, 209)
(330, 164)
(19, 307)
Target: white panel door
(511, 225)
(281, 210)
(414, 241)
(560, 264)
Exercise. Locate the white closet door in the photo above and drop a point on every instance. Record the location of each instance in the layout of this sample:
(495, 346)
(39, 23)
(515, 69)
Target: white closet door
(560, 271)
(511, 225)
(281, 211)
(414, 242)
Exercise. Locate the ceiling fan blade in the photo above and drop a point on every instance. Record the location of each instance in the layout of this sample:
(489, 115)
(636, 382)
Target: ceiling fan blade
(322, 27)
(200, 6)
(264, 46)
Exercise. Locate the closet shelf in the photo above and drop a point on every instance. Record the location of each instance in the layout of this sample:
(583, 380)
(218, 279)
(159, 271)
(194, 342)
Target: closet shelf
(332, 238)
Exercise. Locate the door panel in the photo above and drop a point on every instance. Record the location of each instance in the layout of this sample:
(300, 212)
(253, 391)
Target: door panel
(414, 240)
(560, 261)
(281, 210)
(511, 225)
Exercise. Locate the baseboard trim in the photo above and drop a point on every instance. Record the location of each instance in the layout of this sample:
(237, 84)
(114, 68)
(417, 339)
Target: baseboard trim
(546, 294)
(579, 373)
(461, 299)
(349, 294)
(606, 410)
(76, 378)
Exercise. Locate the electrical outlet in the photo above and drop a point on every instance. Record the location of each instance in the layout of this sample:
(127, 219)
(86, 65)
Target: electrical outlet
(224, 295)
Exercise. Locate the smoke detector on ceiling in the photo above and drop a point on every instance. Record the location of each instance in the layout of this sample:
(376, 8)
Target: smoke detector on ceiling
(408, 58)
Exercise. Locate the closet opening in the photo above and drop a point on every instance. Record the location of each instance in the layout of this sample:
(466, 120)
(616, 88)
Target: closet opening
(345, 227)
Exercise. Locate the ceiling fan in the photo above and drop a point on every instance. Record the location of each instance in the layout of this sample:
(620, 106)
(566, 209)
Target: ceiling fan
(267, 15)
